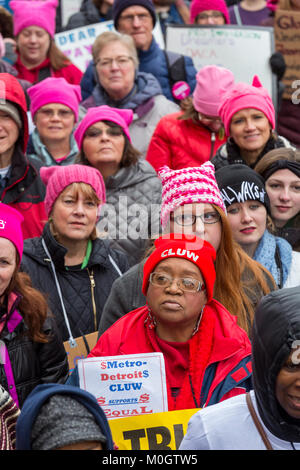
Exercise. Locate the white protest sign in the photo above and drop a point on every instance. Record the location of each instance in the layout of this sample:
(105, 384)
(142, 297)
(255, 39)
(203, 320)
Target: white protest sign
(245, 50)
(77, 43)
(129, 385)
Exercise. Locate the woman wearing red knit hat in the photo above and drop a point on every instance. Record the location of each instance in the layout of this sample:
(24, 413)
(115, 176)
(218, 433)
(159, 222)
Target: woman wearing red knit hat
(203, 348)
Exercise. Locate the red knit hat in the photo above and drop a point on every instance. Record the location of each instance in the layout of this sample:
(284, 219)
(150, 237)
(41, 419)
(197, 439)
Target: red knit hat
(197, 6)
(188, 247)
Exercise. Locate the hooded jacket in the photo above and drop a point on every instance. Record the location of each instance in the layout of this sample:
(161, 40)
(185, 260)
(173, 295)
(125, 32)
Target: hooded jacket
(276, 327)
(39, 155)
(88, 14)
(38, 398)
(24, 190)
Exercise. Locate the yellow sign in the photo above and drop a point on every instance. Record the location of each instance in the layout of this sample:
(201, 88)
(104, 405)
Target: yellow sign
(157, 431)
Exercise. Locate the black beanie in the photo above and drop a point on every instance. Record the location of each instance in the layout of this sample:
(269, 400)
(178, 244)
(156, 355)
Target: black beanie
(239, 183)
(120, 5)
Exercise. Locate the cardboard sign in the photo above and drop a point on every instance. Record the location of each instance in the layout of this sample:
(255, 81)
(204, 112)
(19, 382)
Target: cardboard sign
(80, 351)
(128, 385)
(159, 431)
(287, 41)
(245, 50)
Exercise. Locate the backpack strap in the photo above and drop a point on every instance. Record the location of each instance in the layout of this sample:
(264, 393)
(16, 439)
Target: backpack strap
(237, 15)
(257, 422)
(44, 72)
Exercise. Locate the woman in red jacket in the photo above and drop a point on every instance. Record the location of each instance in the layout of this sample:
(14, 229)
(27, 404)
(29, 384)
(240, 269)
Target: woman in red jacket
(207, 356)
(190, 138)
(38, 55)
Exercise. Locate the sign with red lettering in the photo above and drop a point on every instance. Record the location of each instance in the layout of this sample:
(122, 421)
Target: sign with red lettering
(125, 386)
(287, 41)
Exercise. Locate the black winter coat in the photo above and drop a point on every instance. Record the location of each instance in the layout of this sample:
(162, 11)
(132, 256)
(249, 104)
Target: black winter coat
(33, 363)
(84, 291)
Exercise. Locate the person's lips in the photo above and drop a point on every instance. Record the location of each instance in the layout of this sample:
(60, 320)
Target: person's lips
(283, 208)
(248, 230)
(294, 401)
(172, 305)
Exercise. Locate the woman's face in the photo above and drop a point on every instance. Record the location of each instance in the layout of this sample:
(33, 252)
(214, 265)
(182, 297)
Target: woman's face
(288, 385)
(173, 307)
(103, 146)
(250, 129)
(55, 122)
(7, 263)
(74, 216)
(33, 44)
(248, 222)
(116, 70)
(283, 188)
(209, 17)
(207, 223)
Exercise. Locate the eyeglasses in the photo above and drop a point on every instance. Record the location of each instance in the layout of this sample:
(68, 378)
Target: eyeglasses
(121, 61)
(187, 284)
(61, 113)
(206, 16)
(142, 17)
(93, 132)
(190, 219)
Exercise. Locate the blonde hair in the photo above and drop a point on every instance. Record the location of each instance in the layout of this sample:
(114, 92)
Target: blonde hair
(109, 36)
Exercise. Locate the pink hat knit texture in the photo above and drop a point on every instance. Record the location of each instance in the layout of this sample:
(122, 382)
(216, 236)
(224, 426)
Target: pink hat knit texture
(10, 226)
(54, 90)
(57, 178)
(122, 117)
(188, 186)
(212, 82)
(243, 96)
(34, 13)
(197, 6)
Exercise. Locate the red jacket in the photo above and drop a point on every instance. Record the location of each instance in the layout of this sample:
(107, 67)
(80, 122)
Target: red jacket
(228, 370)
(70, 73)
(181, 143)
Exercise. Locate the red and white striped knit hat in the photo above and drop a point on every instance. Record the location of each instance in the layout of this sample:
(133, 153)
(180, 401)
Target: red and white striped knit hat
(188, 186)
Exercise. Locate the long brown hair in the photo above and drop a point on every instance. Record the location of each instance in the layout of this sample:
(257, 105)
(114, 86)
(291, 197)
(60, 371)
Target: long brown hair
(33, 305)
(57, 58)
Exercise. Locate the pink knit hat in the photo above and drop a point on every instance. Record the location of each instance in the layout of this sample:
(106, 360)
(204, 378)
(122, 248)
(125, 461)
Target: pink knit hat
(212, 82)
(54, 90)
(122, 117)
(57, 178)
(34, 13)
(243, 96)
(197, 6)
(10, 226)
(188, 186)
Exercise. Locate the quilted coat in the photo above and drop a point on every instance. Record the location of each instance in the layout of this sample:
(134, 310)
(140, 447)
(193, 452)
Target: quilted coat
(132, 211)
(84, 291)
(181, 143)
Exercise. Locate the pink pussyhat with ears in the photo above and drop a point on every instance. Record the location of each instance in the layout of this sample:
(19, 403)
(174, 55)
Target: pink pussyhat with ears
(122, 117)
(11, 227)
(243, 96)
(34, 13)
(198, 6)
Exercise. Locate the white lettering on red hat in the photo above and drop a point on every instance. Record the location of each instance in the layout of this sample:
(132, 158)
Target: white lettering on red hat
(180, 252)
(2, 224)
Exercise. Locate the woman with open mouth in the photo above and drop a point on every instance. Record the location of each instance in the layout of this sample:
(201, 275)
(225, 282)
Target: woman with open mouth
(248, 209)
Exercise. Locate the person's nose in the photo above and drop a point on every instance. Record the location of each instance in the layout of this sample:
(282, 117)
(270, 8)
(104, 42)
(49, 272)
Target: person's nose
(246, 216)
(79, 208)
(284, 194)
(173, 287)
(250, 125)
(199, 227)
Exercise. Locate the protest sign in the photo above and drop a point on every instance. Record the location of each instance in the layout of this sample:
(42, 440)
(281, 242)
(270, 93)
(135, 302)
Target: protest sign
(84, 344)
(287, 41)
(159, 431)
(233, 47)
(126, 385)
(77, 43)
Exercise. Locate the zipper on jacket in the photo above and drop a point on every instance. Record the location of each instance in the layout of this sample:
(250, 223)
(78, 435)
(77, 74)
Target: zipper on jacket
(93, 285)
(212, 139)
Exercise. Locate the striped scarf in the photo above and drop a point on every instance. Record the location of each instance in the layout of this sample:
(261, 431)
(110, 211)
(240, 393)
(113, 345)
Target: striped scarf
(9, 413)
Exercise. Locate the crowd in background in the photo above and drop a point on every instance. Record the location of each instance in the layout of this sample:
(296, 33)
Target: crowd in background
(156, 222)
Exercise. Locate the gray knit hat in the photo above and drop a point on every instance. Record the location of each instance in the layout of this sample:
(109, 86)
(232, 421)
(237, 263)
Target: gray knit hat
(12, 111)
(63, 420)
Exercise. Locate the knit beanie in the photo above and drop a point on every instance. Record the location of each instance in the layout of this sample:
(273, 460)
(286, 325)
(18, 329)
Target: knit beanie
(212, 82)
(197, 6)
(12, 110)
(10, 226)
(122, 117)
(34, 13)
(120, 5)
(188, 186)
(54, 90)
(239, 183)
(57, 178)
(242, 96)
(188, 247)
(63, 420)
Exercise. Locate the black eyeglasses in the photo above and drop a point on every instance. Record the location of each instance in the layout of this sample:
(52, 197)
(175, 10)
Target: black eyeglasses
(190, 219)
(187, 284)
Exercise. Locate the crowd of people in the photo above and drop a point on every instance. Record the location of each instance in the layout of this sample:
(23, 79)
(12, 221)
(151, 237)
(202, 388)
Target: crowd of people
(158, 224)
